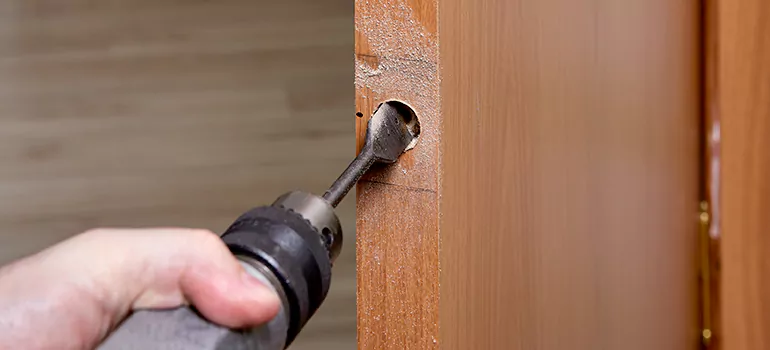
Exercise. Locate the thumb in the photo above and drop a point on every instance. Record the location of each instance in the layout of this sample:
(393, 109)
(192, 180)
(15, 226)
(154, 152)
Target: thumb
(194, 266)
(231, 297)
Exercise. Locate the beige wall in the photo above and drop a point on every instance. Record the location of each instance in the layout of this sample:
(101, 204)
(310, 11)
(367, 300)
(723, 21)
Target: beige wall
(177, 113)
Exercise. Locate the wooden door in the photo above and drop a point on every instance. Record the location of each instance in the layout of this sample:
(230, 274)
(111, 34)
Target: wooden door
(551, 202)
(739, 107)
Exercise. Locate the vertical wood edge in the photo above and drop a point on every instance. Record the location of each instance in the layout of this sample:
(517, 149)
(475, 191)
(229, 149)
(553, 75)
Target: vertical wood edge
(397, 211)
(743, 100)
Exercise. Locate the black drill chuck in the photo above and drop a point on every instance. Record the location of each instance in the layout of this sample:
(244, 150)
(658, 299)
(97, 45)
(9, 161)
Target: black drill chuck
(297, 239)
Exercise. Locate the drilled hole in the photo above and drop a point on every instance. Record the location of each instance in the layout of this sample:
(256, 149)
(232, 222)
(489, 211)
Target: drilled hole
(408, 114)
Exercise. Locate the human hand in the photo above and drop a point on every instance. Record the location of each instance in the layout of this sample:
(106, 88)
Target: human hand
(73, 294)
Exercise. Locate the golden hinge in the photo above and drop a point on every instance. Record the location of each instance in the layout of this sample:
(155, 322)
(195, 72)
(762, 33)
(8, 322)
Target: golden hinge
(705, 274)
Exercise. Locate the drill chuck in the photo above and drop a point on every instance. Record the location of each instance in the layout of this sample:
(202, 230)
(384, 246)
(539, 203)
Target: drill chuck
(297, 238)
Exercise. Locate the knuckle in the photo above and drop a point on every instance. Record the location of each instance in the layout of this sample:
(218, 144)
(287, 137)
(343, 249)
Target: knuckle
(206, 236)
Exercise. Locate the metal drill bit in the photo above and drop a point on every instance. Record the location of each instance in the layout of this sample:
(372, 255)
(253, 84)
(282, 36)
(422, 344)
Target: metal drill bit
(392, 130)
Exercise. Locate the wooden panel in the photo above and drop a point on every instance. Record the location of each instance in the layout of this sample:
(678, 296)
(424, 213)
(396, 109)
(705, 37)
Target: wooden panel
(743, 102)
(570, 174)
(174, 113)
(567, 175)
(397, 58)
(399, 256)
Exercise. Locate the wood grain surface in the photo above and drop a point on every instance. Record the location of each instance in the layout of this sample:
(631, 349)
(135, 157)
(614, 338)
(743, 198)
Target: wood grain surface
(175, 113)
(567, 177)
(743, 102)
(397, 58)
(570, 174)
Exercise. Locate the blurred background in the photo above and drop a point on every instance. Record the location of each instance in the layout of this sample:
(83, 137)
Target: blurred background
(143, 113)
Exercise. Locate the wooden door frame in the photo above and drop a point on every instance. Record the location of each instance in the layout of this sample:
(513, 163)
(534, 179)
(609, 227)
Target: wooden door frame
(552, 198)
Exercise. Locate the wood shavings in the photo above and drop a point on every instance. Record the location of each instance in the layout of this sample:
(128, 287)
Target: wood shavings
(397, 216)
(406, 69)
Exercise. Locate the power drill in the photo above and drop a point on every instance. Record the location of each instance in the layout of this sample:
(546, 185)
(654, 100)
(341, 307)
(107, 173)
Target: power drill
(290, 246)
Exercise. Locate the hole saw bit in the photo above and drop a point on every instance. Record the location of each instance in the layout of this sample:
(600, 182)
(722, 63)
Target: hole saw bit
(290, 246)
